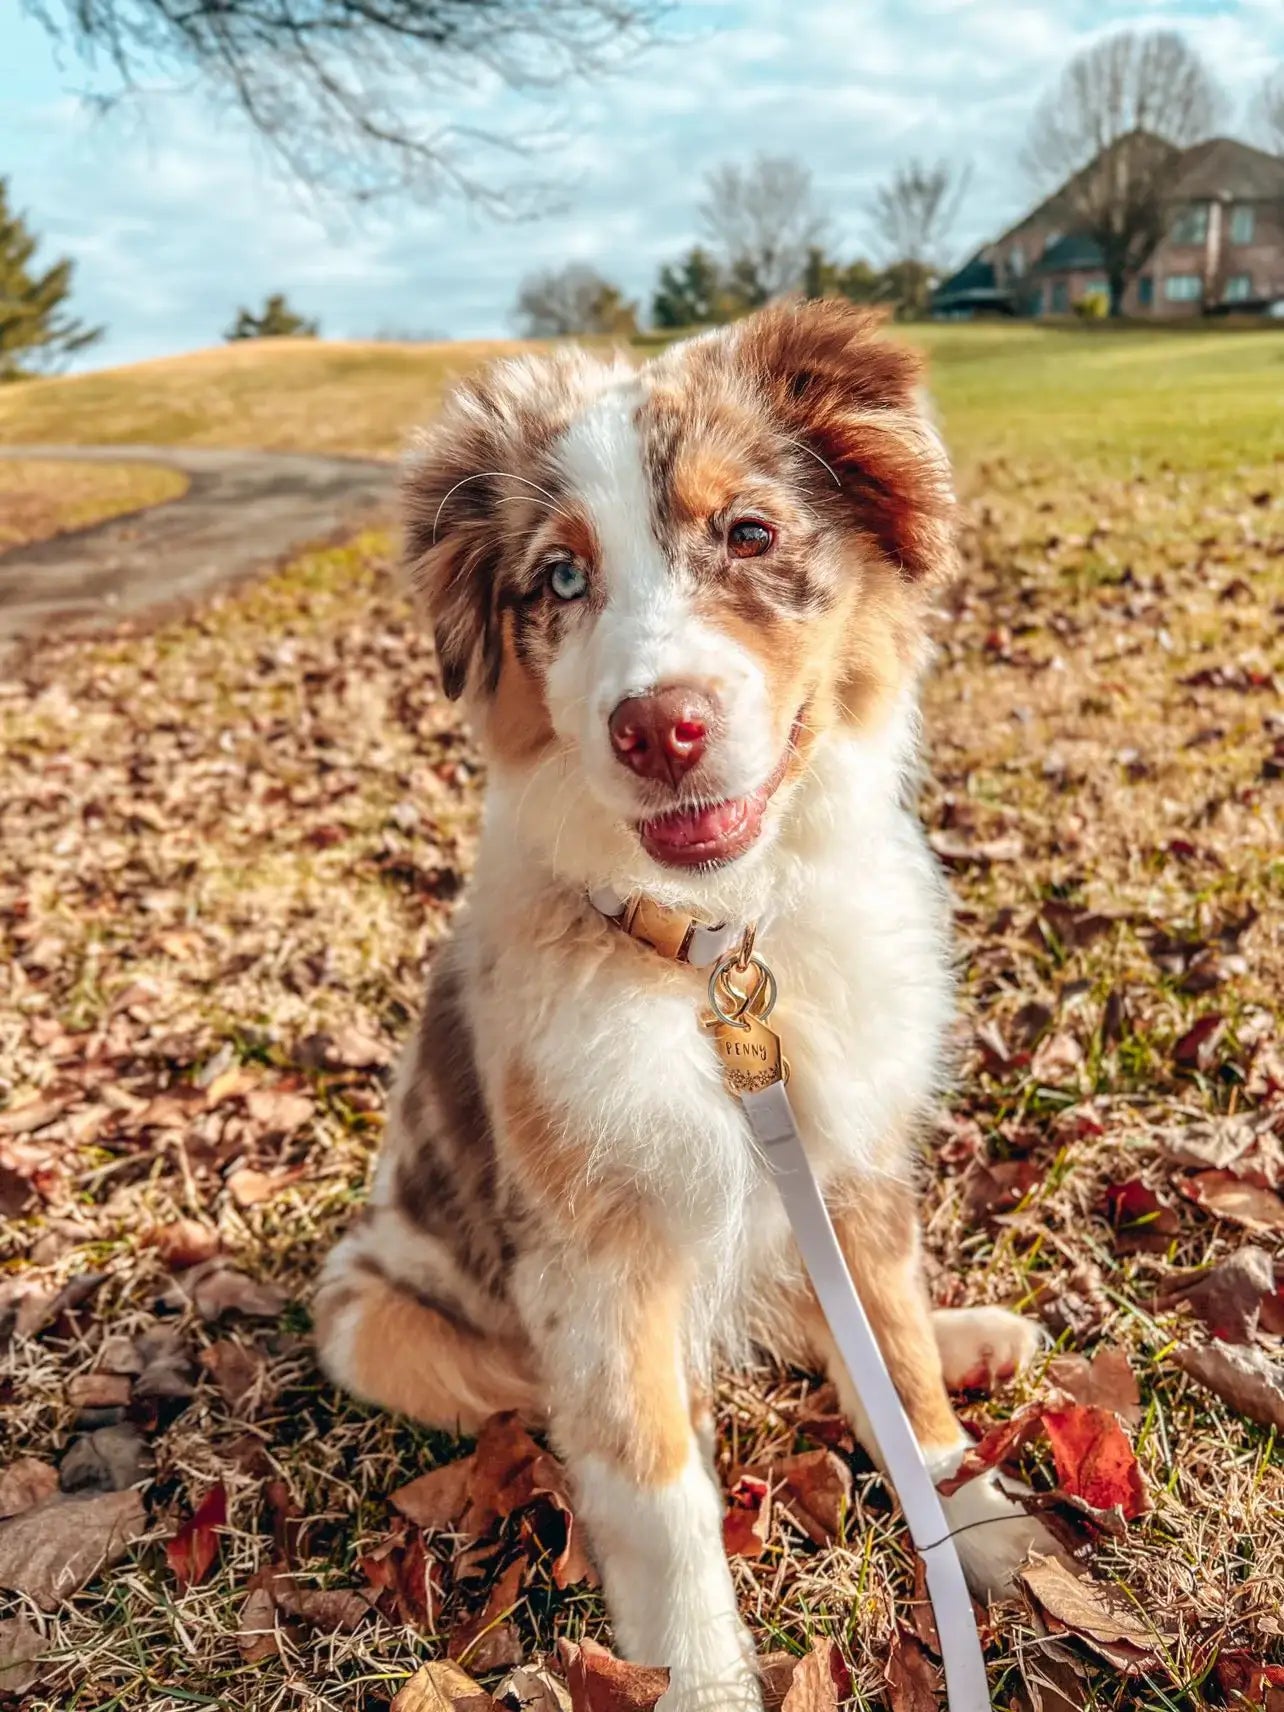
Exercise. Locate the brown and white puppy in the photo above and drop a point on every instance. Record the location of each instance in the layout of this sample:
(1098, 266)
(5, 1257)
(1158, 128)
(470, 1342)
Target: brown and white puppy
(686, 606)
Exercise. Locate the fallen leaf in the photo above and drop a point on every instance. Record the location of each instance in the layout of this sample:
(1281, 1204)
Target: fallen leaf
(50, 1551)
(184, 1242)
(230, 1084)
(997, 1446)
(33, 1115)
(914, 1681)
(21, 1646)
(1143, 1223)
(1095, 1460)
(1229, 1297)
(98, 1391)
(1197, 1048)
(776, 1672)
(1099, 1614)
(600, 1682)
(235, 1370)
(533, 1690)
(441, 1687)
(1246, 1378)
(819, 1681)
(24, 1482)
(814, 1489)
(1248, 1682)
(489, 1640)
(332, 1610)
(1057, 1059)
(256, 1630)
(278, 1111)
(250, 1188)
(219, 1288)
(399, 1570)
(1001, 1187)
(747, 1521)
(109, 1459)
(1230, 1197)
(193, 1549)
(439, 1498)
(349, 1049)
(509, 1470)
(1105, 1382)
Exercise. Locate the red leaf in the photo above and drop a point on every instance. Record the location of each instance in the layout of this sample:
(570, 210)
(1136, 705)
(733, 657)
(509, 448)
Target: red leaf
(600, 1682)
(1095, 1460)
(192, 1551)
(1141, 1220)
(1198, 1046)
(748, 1519)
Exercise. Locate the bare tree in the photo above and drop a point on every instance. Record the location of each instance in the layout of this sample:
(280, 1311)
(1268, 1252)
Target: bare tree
(573, 299)
(1113, 128)
(913, 212)
(1270, 103)
(351, 95)
(763, 219)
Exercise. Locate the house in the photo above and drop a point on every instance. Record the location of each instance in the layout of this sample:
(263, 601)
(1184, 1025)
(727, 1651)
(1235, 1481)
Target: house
(1222, 249)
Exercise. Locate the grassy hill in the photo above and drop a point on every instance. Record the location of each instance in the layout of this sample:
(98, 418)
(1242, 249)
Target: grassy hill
(1110, 396)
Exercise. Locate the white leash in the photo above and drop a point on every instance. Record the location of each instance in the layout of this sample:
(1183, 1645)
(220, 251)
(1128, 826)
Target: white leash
(755, 1070)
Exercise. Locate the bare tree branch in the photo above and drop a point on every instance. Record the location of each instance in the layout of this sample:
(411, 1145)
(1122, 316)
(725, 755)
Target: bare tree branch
(913, 213)
(762, 220)
(573, 299)
(349, 94)
(1113, 129)
(1270, 105)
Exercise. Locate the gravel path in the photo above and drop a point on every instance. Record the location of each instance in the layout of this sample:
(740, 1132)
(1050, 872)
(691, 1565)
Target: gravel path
(242, 510)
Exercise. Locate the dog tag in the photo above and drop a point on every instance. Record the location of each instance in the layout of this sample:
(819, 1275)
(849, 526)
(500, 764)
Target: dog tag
(750, 1054)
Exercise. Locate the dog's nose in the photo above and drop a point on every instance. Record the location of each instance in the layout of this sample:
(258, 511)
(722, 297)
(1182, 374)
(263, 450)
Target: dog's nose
(662, 735)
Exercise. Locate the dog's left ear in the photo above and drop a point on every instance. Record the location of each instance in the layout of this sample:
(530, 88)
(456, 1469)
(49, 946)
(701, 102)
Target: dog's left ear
(854, 399)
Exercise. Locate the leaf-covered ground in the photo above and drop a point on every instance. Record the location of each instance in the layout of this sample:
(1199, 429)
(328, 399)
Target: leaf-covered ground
(228, 848)
(40, 497)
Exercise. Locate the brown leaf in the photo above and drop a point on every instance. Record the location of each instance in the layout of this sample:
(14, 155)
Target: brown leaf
(814, 1489)
(278, 1111)
(1229, 1297)
(230, 1084)
(488, 1640)
(441, 1687)
(1057, 1059)
(1197, 1048)
(1230, 1197)
(776, 1672)
(399, 1570)
(1246, 1378)
(1248, 1682)
(1143, 1223)
(914, 1681)
(256, 1630)
(51, 1550)
(600, 1682)
(250, 1188)
(533, 1690)
(1100, 1615)
(235, 1369)
(439, 1498)
(332, 1610)
(34, 1115)
(219, 1288)
(509, 1470)
(24, 1482)
(1095, 1460)
(21, 1646)
(1105, 1382)
(185, 1242)
(747, 1523)
(349, 1049)
(98, 1391)
(998, 1188)
(999, 1445)
(819, 1681)
(193, 1549)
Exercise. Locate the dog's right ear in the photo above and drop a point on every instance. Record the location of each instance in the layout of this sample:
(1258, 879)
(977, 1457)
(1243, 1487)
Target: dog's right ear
(449, 496)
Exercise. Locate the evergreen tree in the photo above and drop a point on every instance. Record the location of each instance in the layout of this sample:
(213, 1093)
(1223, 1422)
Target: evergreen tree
(277, 321)
(36, 332)
(690, 293)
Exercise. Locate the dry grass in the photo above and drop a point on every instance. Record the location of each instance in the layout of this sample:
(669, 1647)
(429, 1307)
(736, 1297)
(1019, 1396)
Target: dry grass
(239, 830)
(40, 498)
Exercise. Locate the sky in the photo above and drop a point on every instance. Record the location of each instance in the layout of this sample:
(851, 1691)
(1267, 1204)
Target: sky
(175, 214)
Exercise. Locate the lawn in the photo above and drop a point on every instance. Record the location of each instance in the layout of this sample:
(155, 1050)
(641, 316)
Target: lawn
(229, 847)
(42, 497)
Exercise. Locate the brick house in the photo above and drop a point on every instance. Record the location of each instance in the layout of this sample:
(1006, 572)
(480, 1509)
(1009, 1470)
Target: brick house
(1222, 250)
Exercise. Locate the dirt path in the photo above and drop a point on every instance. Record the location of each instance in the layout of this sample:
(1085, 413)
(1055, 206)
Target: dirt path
(241, 510)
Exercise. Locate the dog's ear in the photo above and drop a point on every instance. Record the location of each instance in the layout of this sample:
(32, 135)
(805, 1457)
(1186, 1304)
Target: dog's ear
(853, 399)
(452, 542)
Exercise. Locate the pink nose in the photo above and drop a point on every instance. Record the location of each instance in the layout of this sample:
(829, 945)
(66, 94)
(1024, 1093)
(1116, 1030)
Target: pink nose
(662, 735)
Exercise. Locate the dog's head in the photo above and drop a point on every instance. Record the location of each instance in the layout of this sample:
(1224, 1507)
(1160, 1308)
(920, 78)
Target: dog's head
(662, 588)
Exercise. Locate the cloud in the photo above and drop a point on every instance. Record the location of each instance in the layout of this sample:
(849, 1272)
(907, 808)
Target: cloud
(175, 214)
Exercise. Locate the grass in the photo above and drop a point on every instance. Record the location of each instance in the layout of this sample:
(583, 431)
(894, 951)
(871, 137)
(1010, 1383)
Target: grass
(226, 834)
(40, 498)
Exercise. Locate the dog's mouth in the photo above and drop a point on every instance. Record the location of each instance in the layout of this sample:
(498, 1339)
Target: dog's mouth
(709, 835)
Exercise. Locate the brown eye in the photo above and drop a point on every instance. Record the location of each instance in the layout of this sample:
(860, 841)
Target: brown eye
(749, 538)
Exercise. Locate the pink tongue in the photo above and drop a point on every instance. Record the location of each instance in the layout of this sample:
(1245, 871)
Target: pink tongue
(699, 825)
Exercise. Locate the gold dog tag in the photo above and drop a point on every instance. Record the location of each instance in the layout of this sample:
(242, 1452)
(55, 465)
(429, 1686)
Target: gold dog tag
(750, 1054)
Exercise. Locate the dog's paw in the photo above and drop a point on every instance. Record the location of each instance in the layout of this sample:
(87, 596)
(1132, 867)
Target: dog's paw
(995, 1534)
(981, 1346)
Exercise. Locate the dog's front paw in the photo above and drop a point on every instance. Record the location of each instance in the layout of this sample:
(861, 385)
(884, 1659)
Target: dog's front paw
(995, 1534)
(981, 1346)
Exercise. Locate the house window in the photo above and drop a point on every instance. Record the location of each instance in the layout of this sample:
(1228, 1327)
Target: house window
(1060, 297)
(1183, 288)
(1146, 291)
(1241, 224)
(1016, 261)
(1239, 288)
(1190, 225)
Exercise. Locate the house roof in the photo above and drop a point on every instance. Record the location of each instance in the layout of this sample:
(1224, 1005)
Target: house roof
(974, 275)
(1072, 250)
(1225, 168)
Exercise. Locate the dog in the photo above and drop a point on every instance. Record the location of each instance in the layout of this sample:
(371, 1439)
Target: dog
(686, 605)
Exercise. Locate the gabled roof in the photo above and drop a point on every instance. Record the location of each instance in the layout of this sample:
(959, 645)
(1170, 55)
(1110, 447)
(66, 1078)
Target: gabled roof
(1225, 168)
(1073, 250)
(974, 275)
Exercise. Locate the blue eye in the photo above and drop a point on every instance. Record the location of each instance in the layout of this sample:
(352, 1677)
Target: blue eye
(567, 580)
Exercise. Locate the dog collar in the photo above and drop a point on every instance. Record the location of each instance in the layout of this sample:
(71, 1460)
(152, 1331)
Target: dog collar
(674, 933)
